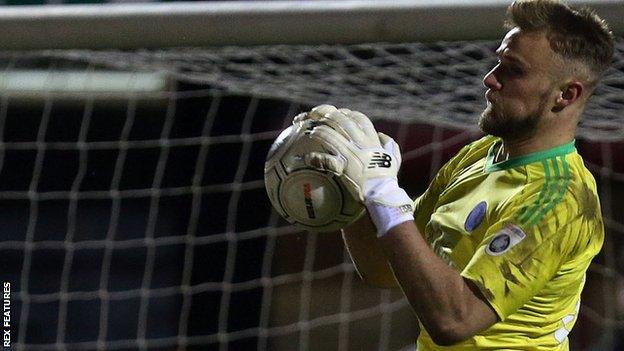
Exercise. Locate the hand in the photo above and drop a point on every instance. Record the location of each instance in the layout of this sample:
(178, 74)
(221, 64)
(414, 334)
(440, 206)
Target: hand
(354, 148)
(368, 162)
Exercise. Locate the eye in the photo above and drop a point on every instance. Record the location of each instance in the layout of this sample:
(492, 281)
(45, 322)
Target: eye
(511, 69)
(516, 70)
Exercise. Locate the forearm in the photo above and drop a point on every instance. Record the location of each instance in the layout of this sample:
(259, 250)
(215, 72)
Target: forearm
(367, 255)
(446, 305)
(368, 163)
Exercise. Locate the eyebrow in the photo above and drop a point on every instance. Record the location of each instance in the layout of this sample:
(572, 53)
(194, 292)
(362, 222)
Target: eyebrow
(511, 57)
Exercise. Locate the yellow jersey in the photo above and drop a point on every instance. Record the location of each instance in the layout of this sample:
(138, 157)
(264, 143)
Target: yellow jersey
(524, 231)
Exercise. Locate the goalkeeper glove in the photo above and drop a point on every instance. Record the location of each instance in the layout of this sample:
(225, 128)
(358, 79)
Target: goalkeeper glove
(368, 163)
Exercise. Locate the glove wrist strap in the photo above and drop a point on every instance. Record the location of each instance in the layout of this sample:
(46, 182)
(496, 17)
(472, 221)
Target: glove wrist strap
(388, 205)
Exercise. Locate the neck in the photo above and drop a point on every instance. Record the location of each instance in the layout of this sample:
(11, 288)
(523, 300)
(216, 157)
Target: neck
(515, 147)
(552, 130)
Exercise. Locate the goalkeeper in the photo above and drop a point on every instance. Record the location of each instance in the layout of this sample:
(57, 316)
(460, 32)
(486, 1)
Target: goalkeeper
(493, 255)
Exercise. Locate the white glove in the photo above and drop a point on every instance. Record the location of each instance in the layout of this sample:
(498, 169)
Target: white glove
(366, 161)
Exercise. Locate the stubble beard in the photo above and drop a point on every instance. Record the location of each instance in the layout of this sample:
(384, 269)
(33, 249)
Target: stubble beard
(498, 124)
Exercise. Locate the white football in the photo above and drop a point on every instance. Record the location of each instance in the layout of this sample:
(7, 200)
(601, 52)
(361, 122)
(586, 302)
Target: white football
(312, 199)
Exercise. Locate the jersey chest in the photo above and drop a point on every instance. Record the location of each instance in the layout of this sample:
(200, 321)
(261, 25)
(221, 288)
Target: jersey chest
(465, 210)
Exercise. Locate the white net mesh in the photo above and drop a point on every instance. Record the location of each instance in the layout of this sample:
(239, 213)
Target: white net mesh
(407, 82)
(140, 220)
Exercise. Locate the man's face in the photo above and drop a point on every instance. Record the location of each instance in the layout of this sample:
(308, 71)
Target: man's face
(521, 87)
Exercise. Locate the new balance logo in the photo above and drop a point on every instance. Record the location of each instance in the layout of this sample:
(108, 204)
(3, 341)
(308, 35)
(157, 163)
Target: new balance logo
(380, 159)
(406, 208)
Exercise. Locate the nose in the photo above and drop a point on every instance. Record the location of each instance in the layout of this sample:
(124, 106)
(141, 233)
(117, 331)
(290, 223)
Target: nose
(490, 81)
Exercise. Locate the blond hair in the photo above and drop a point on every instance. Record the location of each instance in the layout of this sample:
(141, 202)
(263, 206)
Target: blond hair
(578, 35)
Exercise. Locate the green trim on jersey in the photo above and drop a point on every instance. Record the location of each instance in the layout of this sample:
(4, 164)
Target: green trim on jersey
(552, 191)
(560, 150)
(556, 177)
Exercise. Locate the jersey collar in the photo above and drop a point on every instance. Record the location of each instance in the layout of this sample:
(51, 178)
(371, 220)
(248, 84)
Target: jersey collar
(490, 166)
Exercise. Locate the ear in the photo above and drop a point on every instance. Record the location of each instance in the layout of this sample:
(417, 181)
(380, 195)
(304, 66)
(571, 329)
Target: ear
(570, 93)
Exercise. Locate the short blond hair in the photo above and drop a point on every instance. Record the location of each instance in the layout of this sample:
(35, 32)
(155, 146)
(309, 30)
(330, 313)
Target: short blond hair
(575, 34)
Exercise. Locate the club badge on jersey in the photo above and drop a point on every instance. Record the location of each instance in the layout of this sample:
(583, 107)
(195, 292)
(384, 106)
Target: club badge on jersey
(476, 216)
(504, 240)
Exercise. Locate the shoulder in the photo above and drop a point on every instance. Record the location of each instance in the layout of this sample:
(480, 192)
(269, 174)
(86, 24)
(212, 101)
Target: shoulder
(473, 151)
(557, 183)
(480, 147)
(558, 200)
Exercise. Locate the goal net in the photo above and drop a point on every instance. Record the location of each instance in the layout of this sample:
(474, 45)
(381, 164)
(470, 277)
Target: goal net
(134, 213)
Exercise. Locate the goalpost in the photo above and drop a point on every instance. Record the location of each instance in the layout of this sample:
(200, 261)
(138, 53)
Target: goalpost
(132, 144)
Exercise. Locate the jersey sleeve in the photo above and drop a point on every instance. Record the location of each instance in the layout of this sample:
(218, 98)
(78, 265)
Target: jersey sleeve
(525, 248)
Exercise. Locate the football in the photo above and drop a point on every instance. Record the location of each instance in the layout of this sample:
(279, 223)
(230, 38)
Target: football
(312, 199)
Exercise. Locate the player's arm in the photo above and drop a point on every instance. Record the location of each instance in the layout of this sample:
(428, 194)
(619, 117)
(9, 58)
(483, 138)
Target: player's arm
(447, 305)
(450, 307)
(365, 249)
(367, 254)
